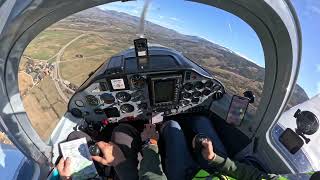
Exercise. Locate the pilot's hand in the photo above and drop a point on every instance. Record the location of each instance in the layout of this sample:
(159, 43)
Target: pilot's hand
(207, 149)
(64, 169)
(149, 132)
(112, 154)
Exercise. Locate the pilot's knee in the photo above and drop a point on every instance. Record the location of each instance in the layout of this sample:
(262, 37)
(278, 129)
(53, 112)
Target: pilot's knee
(127, 135)
(170, 124)
(200, 118)
(125, 130)
(77, 135)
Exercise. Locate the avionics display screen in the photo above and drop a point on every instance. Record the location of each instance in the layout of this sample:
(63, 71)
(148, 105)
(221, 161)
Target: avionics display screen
(164, 90)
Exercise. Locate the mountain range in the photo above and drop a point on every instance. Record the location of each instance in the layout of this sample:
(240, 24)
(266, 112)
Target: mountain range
(237, 73)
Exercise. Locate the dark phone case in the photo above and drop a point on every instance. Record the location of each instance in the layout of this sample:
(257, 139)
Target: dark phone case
(291, 141)
(230, 109)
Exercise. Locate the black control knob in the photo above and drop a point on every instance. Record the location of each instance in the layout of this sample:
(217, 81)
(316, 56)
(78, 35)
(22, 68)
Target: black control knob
(199, 85)
(123, 96)
(95, 150)
(127, 108)
(107, 98)
(188, 86)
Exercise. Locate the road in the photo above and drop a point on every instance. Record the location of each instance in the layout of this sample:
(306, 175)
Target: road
(58, 80)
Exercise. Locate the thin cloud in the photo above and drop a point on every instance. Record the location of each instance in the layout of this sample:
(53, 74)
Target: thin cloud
(133, 7)
(174, 19)
(318, 87)
(312, 7)
(230, 27)
(315, 9)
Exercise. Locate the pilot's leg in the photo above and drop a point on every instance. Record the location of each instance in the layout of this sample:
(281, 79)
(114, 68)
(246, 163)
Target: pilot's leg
(201, 124)
(179, 163)
(128, 139)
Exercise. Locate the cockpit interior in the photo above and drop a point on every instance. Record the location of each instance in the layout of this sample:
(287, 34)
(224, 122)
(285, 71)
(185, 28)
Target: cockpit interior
(153, 83)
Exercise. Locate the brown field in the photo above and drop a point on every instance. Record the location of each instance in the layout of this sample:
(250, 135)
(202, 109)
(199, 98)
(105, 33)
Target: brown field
(44, 107)
(25, 83)
(4, 139)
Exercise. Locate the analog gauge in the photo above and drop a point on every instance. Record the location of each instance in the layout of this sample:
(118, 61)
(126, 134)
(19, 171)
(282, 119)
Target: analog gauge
(79, 103)
(107, 98)
(126, 108)
(138, 96)
(186, 95)
(206, 92)
(185, 102)
(92, 100)
(137, 81)
(188, 86)
(208, 84)
(123, 96)
(197, 94)
(143, 106)
(76, 113)
(195, 100)
(199, 85)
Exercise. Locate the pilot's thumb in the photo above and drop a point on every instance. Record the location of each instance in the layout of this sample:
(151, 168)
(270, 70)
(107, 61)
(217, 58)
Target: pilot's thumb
(67, 162)
(205, 144)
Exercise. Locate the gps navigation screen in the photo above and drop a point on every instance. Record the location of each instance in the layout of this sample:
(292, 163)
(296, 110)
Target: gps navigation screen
(164, 91)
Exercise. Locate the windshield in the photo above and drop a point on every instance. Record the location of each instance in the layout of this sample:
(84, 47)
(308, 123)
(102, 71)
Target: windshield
(60, 58)
(307, 95)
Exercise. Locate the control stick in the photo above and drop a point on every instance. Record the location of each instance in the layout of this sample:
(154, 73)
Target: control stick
(198, 139)
(95, 150)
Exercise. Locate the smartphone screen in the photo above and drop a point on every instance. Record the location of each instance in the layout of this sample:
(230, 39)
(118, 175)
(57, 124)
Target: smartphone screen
(237, 110)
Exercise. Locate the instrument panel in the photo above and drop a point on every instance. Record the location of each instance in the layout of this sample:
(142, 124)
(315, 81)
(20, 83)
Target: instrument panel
(141, 96)
(124, 89)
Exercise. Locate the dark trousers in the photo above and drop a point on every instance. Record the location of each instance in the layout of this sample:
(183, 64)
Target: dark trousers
(179, 160)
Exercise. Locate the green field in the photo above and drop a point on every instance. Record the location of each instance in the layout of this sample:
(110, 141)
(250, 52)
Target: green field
(87, 46)
(48, 43)
(77, 71)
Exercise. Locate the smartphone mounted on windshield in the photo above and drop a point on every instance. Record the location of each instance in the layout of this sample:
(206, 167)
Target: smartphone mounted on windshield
(142, 52)
(237, 110)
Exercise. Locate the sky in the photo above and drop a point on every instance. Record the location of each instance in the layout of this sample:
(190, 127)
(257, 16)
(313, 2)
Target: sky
(230, 31)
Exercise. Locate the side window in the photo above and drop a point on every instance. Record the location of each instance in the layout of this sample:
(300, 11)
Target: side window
(306, 92)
